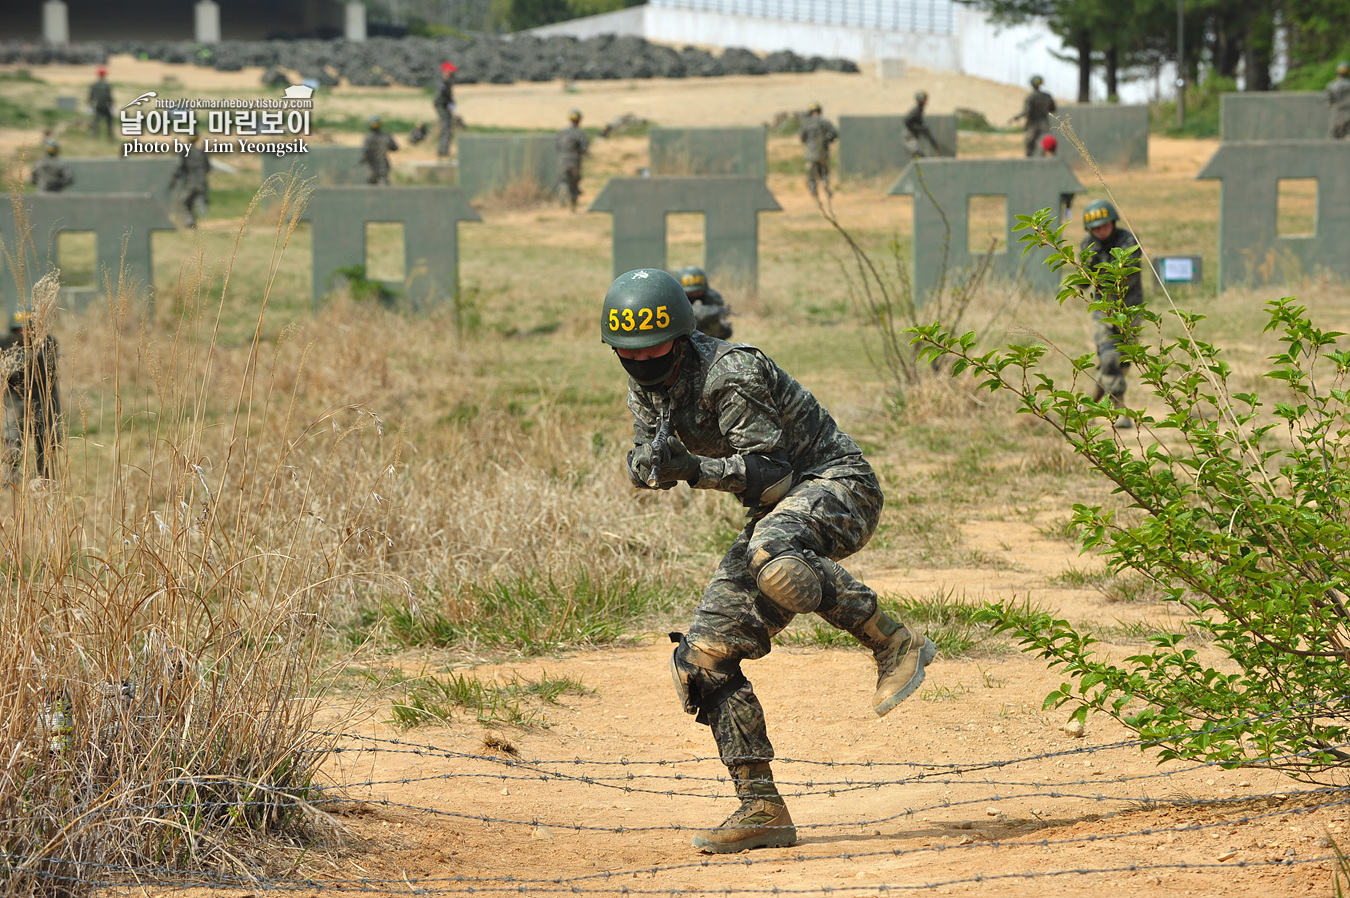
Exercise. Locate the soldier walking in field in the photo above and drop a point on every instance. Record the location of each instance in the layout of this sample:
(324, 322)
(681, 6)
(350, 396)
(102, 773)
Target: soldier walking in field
(572, 146)
(817, 133)
(50, 174)
(191, 181)
(723, 416)
(1338, 96)
(32, 402)
(710, 309)
(445, 107)
(375, 152)
(101, 104)
(916, 129)
(1104, 235)
(1036, 110)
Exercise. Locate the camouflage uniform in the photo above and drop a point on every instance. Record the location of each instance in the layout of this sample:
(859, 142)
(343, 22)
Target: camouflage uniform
(51, 175)
(191, 179)
(817, 134)
(916, 132)
(375, 155)
(1036, 110)
(1110, 367)
(31, 401)
(710, 311)
(101, 101)
(730, 401)
(445, 111)
(1338, 95)
(572, 145)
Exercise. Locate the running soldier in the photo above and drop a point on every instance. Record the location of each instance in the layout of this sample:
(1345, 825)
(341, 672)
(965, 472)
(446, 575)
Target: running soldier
(50, 174)
(916, 129)
(445, 107)
(101, 102)
(710, 309)
(572, 145)
(375, 152)
(32, 403)
(723, 416)
(817, 133)
(1036, 110)
(190, 181)
(1338, 96)
(1104, 235)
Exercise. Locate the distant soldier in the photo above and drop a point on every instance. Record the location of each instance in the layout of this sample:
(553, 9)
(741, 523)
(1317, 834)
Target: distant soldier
(817, 134)
(417, 134)
(50, 174)
(1036, 110)
(1338, 95)
(32, 402)
(916, 130)
(190, 181)
(445, 107)
(101, 102)
(573, 145)
(375, 152)
(710, 309)
(1099, 220)
(1050, 150)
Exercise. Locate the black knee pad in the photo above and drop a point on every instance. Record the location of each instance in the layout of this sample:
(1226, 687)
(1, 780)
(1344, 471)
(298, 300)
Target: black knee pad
(702, 682)
(793, 579)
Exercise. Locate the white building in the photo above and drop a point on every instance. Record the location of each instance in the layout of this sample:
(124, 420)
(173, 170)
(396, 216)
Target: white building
(939, 35)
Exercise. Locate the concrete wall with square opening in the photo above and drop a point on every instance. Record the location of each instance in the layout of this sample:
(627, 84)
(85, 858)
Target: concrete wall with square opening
(986, 223)
(1296, 207)
(385, 253)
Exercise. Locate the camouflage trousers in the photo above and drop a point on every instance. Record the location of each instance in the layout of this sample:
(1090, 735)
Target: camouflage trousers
(820, 518)
(571, 182)
(45, 434)
(447, 129)
(190, 197)
(1340, 127)
(379, 174)
(1031, 139)
(818, 173)
(1111, 367)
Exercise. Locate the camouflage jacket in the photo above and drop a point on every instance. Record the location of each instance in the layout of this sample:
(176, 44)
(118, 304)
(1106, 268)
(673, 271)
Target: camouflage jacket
(1037, 108)
(51, 175)
(708, 307)
(14, 362)
(376, 149)
(445, 97)
(915, 124)
(1101, 254)
(730, 400)
(193, 168)
(572, 144)
(100, 96)
(817, 134)
(1338, 95)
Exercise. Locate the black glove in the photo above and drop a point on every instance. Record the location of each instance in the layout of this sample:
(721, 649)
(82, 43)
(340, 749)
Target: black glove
(681, 464)
(640, 469)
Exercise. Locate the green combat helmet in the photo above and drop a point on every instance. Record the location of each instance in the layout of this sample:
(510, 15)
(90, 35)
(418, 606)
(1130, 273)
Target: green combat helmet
(1098, 212)
(645, 307)
(374, 122)
(1037, 80)
(694, 280)
(1343, 68)
(921, 96)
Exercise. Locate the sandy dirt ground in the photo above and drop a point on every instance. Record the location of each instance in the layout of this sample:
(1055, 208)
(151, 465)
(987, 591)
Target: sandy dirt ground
(970, 786)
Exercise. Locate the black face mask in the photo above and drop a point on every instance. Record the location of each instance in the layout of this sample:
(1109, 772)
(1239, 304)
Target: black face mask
(651, 373)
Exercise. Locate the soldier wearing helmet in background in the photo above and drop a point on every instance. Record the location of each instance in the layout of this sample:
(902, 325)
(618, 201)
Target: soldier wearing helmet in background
(1036, 110)
(417, 134)
(1338, 95)
(817, 133)
(723, 416)
(710, 309)
(572, 145)
(50, 174)
(916, 129)
(1105, 235)
(32, 402)
(375, 152)
(101, 104)
(192, 181)
(445, 107)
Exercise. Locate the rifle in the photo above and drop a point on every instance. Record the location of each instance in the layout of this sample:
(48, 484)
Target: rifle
(661, 441)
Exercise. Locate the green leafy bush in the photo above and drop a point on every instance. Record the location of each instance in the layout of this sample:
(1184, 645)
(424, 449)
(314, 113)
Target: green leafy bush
(1239, 514)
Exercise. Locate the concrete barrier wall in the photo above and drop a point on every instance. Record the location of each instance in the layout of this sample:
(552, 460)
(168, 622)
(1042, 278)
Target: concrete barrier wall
(1274, 115)
(871, 145)
(709, 151)
(490, 163)
(1113, 135)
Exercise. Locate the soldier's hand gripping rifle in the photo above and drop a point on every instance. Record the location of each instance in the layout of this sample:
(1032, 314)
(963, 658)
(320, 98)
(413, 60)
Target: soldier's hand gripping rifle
(660, 442)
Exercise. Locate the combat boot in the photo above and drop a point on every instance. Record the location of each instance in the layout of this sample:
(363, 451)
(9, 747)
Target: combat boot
(762, 820)
(901, 653)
